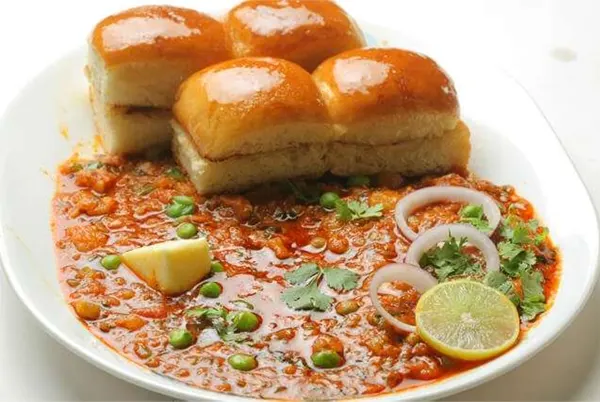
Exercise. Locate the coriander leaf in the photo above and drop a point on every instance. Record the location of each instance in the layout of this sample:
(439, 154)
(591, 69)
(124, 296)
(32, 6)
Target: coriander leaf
(514, 259)
(302, 274)
(354, 210)
(473, 215)
(540, 237)
(341, 279)
(502, 283)
(343, 211)
(534, 301)
(509, 250)
(307, 297)
(449, 260)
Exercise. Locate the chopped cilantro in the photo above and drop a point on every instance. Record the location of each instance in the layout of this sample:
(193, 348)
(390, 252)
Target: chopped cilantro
(307, 295)
(504, 284)
(534, 301)
(354, 210)
(341, 279)
(449, 260)
(473, 215)
(302, 274)
(514, 259)
(217, 318)
(517, 260)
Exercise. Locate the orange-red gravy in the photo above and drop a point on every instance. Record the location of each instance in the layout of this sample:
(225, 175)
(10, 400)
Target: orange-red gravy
(120, 206)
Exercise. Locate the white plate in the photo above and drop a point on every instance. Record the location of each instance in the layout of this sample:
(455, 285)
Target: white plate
(512, 144)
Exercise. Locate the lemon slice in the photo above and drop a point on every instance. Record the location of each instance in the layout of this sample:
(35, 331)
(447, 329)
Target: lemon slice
(172, 267)
(467, 320)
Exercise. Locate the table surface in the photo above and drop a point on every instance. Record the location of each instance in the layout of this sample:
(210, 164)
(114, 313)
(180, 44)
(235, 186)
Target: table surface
(550, 47)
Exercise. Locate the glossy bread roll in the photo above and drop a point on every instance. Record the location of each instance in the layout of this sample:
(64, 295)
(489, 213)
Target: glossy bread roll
(385, 96)
(251, 105)
(303, 31)
(249, 121)
(140, 56)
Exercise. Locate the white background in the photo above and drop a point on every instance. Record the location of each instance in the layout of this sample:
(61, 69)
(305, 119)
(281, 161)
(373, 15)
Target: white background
(551, 47)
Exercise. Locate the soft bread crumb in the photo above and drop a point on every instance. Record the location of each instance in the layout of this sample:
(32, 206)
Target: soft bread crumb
(241, 172)
(410, 158)
(126, 130)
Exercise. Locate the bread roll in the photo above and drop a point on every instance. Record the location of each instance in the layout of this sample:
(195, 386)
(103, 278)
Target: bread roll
(241, 172)
(140, 56)
(385, 96)
(303, 31)
(251, 105)
(410, 158)
(130, 129)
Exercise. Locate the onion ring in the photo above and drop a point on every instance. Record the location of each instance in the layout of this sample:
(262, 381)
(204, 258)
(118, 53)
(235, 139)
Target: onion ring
(418, 278)
(429, 195)
(432, 237)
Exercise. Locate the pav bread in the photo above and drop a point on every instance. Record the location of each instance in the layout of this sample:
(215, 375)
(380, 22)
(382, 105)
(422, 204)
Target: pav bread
(247, 121)
(303, 31)
(140, 56)
(384, 96)
(393, 110)
(137, 60)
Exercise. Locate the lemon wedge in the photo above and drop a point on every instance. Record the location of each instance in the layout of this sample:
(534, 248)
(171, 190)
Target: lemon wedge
(467, 320)
(172, 267)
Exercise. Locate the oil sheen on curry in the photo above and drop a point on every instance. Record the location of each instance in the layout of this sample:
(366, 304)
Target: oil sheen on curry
(286, 310)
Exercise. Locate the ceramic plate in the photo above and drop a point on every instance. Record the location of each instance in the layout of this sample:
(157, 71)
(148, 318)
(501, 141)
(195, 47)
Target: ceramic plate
(512, 144)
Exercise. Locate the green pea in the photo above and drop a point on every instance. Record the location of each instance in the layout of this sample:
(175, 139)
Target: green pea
(216, 266)
(328, 200)
(111, 261)
(346, 307)
(187, 230)
(174, 210)
(326, 359)
(245, 321)
(243, 362)
(180, 338)
(210, 289)
(183, 199)
(471, 211)
(177, 210)
(358, 181)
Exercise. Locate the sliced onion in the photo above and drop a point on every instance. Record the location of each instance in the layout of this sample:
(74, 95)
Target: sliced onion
(418, 278)
(432, 237)
(429, 195)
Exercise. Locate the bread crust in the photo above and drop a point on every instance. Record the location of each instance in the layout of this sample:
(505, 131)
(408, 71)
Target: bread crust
(303, 31)
(251, 105)
(147, 33)
(386, 95)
